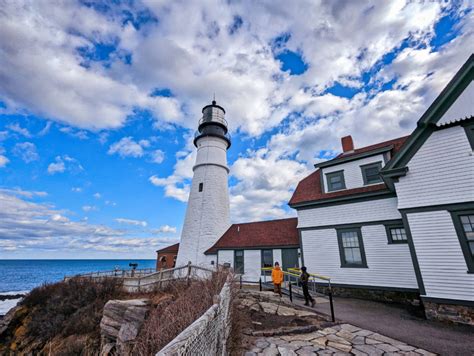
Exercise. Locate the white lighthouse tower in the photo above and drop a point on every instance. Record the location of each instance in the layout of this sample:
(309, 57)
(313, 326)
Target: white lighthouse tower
(208, 212)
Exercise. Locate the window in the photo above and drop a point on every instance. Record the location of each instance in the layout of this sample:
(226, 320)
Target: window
(335, 181)
(396, 233)
(267, 259)
(371, 173)
(351, 248)
(239, 261)
(464, 224)
(201, 185)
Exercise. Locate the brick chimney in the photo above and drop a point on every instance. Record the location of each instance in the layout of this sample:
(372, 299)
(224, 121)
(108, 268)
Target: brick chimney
(347, 144)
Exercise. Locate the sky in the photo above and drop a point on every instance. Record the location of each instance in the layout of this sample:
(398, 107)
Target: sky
(99, 102)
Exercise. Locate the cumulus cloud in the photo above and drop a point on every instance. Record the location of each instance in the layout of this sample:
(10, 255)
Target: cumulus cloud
(63, 163)
(3, 159)
(165, 229)
(88, 208)
(97, 195)
(127, 147)
(26, 151)
(19, 130)
(131, 222)
(157, 156)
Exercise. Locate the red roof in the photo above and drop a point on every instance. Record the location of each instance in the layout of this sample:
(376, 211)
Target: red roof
(309, 189)
(397, 144)
(169, 249)
(271, 233)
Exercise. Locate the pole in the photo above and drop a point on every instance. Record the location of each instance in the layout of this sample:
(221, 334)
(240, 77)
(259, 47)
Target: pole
(240, 287)
(331, 303)
(260, 284)
(291, 292)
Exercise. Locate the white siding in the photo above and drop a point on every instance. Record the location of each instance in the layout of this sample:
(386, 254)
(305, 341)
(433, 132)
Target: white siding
(352, 171)
(373, 210)
(462, 107)
(440, 257)
(441, 172)
(252, 265)
(226, 256)
(389, 265)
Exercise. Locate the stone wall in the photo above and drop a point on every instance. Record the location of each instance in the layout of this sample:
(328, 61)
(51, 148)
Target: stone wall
(459, 314)
(378, 295)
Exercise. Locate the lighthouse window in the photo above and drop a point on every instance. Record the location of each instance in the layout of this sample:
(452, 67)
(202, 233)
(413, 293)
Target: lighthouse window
(201, 185)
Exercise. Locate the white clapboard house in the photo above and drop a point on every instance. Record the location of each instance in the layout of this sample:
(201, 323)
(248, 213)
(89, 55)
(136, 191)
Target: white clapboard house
(391, 221)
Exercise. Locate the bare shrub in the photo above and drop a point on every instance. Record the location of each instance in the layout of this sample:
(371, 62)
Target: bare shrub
(72, 307)
(185, 304)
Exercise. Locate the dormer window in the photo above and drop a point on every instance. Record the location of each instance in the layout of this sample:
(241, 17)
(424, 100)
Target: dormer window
(371, 173)
(335, 181)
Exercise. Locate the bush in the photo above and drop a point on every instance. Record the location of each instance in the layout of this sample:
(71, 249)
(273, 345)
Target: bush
(185, 304)
(72, 307)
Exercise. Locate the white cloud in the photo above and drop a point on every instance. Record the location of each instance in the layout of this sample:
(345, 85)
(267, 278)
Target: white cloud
(157, 156)
(63, 163)
(3, 161)
(18, 129)
(76, 189)
(30, 227)
(131, 222)
(26, 151)
(23, 193)
(127, 147)
(57, 167)
(80, 134)
(165, 229)
(88, 208)
(97, 195)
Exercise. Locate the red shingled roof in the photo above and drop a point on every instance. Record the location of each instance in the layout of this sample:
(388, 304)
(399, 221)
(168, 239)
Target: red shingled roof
(169, 249)
(271, 233)
(397, 144)
(309, 189)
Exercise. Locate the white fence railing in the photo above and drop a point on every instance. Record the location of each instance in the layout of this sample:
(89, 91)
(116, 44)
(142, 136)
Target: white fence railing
(145, 280)
(209, 334)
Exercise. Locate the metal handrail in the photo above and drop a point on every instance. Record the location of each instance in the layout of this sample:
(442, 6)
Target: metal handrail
(226, 135)
(298, 270)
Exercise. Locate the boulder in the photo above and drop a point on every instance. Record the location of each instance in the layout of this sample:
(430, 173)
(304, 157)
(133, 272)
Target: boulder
(121, 323)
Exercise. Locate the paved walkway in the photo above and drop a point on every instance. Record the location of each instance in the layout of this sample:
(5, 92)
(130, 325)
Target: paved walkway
(395, 321)
(341, 340)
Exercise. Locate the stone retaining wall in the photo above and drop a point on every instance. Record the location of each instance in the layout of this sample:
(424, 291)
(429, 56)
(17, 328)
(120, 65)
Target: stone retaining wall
(460, 314)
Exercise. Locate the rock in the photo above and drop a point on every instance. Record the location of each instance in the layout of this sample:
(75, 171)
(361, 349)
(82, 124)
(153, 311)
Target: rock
(345, 334)
(121, 323)
(339, 346)
(328, 331)
(262, 344)
(286, 352)
(320, 341)
(405, 347)
(300, 343)
(363, 333)
(340, 340)
(369, 350)
(424, 352)
(370, 341)
(358, 340)
(269, 308)
(387, 348)
(350, 328)
(271, 351)
(250, 353)
(384, 339)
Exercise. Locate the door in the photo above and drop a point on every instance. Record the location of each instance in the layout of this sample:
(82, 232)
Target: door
(289, 258)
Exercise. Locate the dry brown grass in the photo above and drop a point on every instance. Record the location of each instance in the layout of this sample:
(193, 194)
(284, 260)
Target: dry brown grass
(183, 305)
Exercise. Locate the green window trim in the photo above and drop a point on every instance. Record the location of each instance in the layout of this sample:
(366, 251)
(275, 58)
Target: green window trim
(269, 262)
(369, 178)
(345, 236)
(466, 242)
(239, 262)
(399, 231)
(339, 175)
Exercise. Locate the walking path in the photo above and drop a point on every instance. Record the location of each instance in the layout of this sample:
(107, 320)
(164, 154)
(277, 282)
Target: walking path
(395, 321)
(342, 339)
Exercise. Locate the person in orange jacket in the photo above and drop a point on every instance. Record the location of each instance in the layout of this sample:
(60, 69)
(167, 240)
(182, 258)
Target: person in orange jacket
(277, 278)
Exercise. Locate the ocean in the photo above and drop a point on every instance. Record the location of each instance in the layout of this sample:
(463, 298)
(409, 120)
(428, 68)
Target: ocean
(20, 276)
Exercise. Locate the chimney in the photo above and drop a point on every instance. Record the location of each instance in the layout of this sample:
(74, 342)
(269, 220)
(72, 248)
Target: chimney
(347, 144)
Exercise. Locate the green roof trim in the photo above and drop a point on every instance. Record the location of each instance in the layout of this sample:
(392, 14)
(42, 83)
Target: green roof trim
(427, 123)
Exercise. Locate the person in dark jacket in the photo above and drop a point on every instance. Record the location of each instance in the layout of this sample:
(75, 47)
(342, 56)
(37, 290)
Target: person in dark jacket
(304, 279)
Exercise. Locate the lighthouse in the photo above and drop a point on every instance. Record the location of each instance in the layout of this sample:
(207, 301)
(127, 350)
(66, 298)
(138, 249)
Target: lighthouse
(208, 213)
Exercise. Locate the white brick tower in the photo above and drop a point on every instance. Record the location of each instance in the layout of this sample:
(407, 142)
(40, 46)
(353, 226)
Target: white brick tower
(208, 212)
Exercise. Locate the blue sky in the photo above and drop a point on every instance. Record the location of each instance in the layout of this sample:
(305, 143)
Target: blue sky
(99, 102)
